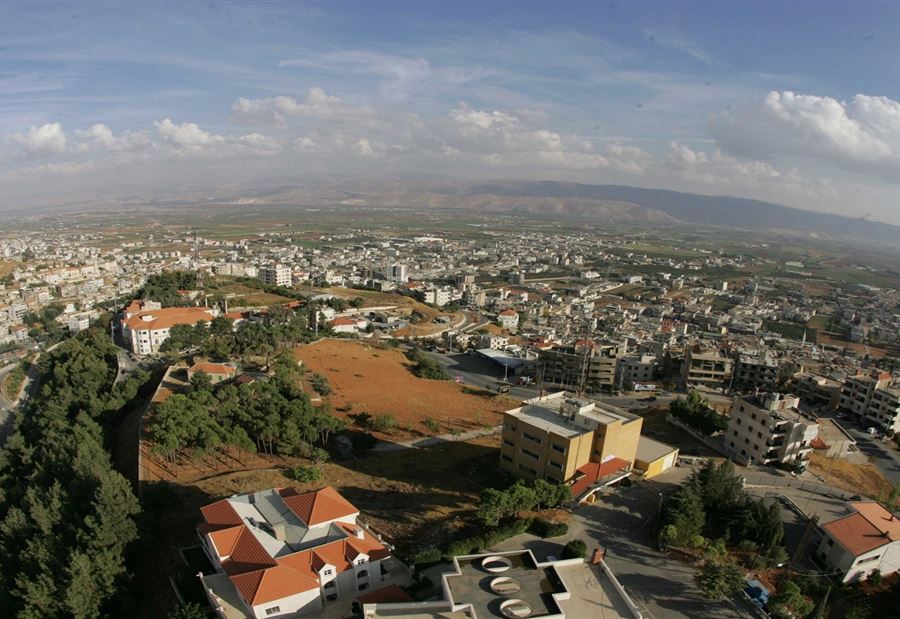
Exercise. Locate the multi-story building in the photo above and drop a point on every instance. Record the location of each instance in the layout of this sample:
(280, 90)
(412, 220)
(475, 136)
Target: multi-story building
(281, 553)
(818, 390)
(508, 319)
(275, 275)
(755, 372)
(586, 365)
(857, 391)
(398, 273)
(147, 329)
(564, 439)
(769, 429)
(871, 400)
(635, 369)
(858, 544)
(709, 368)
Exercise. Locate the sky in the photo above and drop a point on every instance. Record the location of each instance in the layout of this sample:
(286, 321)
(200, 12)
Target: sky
(792, 102)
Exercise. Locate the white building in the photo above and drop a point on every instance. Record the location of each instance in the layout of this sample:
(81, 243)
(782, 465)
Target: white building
(769, 429)
(275, 275)
(858, 544)
(508, 319)
(147, 329)
(398, 273)
(635, 369)
(281, 553)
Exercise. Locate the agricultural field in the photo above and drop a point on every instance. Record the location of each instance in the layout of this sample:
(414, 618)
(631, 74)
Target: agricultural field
(379, 381)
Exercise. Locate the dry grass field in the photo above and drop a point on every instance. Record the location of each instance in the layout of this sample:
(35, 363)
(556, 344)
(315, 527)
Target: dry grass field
(424, 324)
(864, 479)
(379, 381)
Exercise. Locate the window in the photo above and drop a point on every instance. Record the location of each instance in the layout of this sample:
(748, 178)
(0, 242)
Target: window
(830, 542)
(558, 448)
(273, 610)
(531, 437)
(327, 572)
(530, 454)
(508, 443)
(505, 458)
(556, 465)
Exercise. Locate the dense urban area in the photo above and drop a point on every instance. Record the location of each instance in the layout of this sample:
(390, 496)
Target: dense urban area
(397, 413)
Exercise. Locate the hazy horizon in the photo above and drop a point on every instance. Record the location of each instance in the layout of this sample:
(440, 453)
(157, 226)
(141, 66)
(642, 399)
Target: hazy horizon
(792, 104)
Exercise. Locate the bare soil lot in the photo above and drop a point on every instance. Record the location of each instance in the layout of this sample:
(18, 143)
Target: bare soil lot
(864, 479)
(379, 381)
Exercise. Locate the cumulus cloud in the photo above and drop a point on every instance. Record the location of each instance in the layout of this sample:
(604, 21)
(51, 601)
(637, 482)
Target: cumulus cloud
(319, 105)
(101, 137)
(48, 138)
(188, 139)
(62, 168)
(860, 134)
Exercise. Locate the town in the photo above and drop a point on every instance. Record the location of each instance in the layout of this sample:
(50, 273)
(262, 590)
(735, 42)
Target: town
(321, 418)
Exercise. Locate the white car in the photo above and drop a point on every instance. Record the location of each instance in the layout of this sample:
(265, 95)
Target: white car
(870, 430)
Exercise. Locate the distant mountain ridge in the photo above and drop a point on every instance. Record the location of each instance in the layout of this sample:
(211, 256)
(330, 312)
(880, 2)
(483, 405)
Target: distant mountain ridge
(725, 211)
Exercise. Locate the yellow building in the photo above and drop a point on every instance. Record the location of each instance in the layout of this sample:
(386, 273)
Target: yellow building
(564, 439)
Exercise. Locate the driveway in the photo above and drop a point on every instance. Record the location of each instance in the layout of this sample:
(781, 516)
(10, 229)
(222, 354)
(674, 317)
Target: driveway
(621, 523)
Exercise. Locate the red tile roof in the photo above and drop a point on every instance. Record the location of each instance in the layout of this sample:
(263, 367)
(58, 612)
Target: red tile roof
(856, 534)
(247, 555)
(220, 515)
(213, 368)
(318, 506)
(392, 594)
(594, 471)
(168, 317)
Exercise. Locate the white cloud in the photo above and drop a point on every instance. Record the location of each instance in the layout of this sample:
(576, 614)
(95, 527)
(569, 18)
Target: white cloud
(860, 135)
(101, 137)
(48, 138)
(318, 105)
(186, 136)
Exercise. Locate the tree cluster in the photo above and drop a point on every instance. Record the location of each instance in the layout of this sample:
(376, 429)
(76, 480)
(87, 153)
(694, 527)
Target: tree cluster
(494, 505)
(270, 416)
(713, 505)
(164, 287)
(281, 329)
(426, 367)
(66, 517)
(695, 412)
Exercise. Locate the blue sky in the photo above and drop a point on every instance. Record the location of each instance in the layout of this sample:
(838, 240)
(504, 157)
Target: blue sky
(790, 102)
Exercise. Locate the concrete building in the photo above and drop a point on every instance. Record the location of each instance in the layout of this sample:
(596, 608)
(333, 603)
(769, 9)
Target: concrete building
(817, 390)
(654, 457)
(398, 273)
(635, 369)
(871, 400)
(275, 275)
(753, 372)
(709, 368)
(508, 319)
(586, 365)
(281, 553)
(769, 429)
(146, 330)
(564, 439)
(858, 544)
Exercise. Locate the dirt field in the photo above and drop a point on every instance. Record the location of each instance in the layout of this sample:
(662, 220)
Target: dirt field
(6, 267)
(379, 381)
(863, 479)
(405, 305)
(860, 348)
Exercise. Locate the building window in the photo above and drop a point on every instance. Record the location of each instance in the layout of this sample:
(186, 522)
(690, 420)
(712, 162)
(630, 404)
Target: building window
(530, 454)
(556, 465)
(508, 443)
(505, 458)
(558, 448)
(531, 437)
(273, 610)
(327, 572)
(831, 542)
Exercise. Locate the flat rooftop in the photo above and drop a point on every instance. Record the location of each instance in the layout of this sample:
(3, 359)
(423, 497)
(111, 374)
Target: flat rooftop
(536, 585)
(547, 419)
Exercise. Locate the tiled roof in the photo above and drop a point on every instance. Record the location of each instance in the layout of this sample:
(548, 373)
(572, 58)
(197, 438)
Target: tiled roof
(220, 515)
(856, 534)
(594, 471)
(509, 312)
(247, 555)
(168, 317)
(318, 506)
(213, 368)
(272, 584)
(881, 518)
(226, 539)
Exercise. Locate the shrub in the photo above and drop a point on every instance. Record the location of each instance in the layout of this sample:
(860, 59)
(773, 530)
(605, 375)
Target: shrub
(431, 554)
(432, 424)
(306, 474)
(575, 549)
(318, 455)
(544, 528)
(466, 546)
(383, 423)
(320, 384)
(191, 610)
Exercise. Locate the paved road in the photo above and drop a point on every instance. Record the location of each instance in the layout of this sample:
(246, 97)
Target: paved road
(478, 372)
(620, 522)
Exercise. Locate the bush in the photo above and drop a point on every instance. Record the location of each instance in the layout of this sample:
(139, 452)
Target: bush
(320, 384)
(465, 546)
(306, 474)
(433, 425)
(544, 528)
(383, 423)
(191, 610)
(575, 549)
(431, 554)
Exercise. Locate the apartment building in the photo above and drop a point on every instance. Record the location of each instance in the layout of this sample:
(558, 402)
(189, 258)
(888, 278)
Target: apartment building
(565, 439)
(815, 389)
(275, 275)
(147, 329)
(755, 372)
(398, 273)
(281, 553)
(871, 400)
(864, 541)
(508, 319)
(635, 369)
(769, 428)
(706, 367)
(586, 365)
